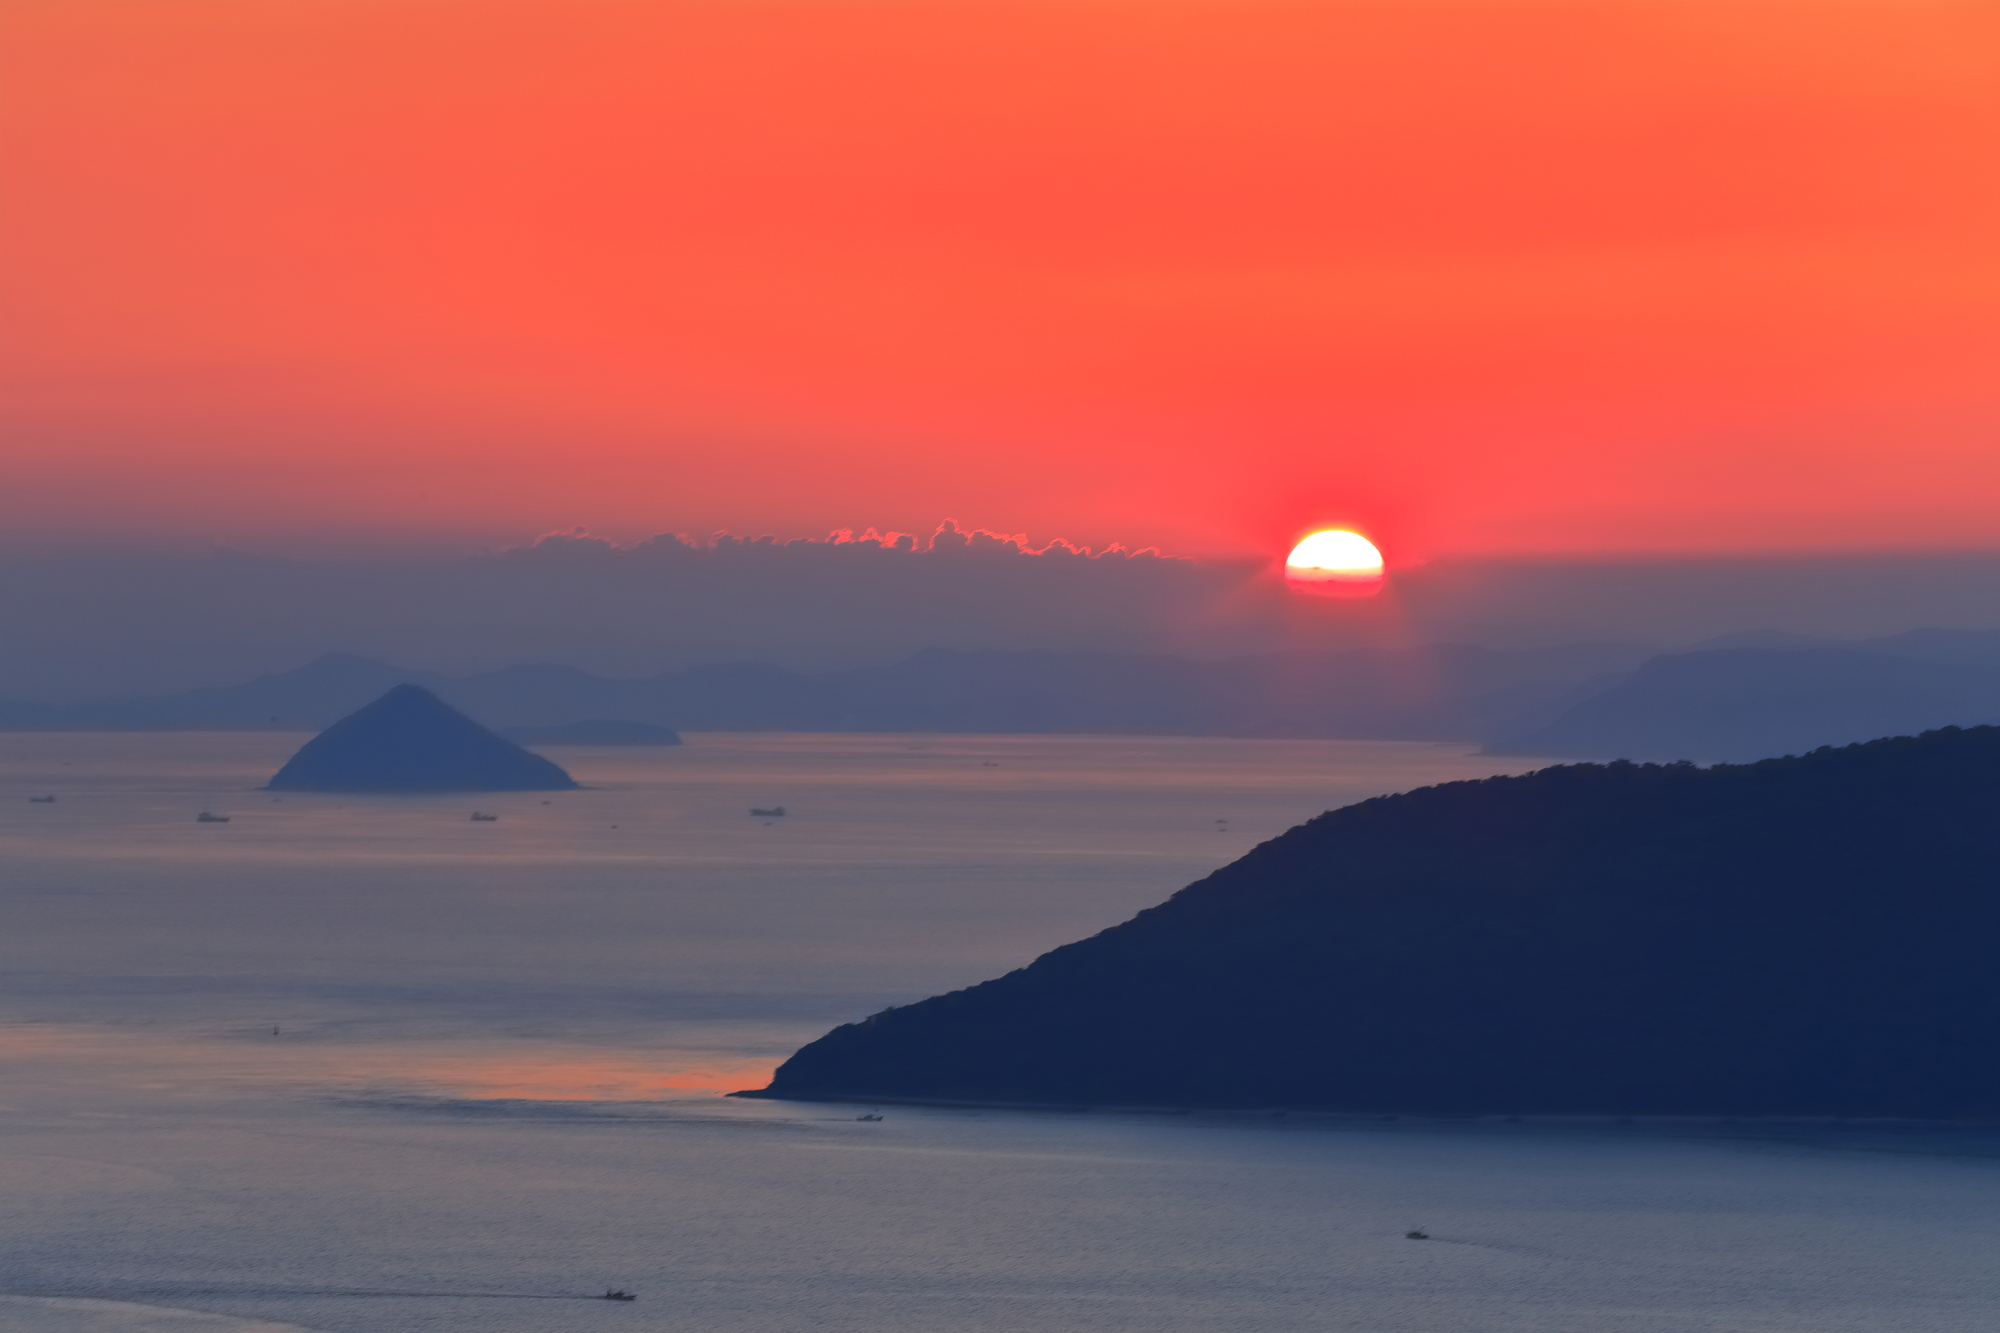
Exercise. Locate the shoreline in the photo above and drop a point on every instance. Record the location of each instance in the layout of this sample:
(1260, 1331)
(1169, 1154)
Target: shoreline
(1575, 1119)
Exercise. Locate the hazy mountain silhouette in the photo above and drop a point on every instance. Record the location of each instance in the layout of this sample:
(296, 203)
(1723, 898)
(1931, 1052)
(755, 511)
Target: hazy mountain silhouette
(409, 740)
(1747, 697)
(1970, 646)
(594, 731)
(104, 622)
(1444, 692)
(306, 698)
(1809, 935)
(1750, 703)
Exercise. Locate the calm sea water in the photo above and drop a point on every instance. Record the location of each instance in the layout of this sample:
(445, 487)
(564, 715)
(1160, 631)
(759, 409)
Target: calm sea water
(365, 1065)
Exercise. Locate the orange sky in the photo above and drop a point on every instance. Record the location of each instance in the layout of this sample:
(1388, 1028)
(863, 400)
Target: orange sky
(1490, 276)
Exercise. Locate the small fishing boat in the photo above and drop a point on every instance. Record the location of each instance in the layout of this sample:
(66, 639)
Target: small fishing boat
(619, 1296)
(479, 817)
(872, 1115)
(775, 812)
(41, 800)
(206, 818)
(1417, 1234)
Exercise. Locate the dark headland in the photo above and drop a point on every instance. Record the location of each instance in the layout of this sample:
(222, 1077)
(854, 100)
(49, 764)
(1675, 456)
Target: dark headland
(409, 740)
(1812, 935)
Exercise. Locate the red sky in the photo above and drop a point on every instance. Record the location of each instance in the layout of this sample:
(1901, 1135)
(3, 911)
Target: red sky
(1481, 277)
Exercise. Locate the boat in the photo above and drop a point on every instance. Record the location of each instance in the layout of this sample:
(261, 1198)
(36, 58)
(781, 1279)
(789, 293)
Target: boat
(481, 818)
(775, 812)
(206, 818)
(1417, 1234)
(872, 1115)
(619, 1296)
(41, 800)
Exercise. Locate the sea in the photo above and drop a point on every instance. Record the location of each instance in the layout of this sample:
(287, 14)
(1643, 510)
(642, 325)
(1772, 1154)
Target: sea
(370, 1065)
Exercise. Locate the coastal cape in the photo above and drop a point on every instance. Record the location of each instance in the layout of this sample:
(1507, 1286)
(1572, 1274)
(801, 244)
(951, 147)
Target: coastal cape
(409, 740)
(1812, 935)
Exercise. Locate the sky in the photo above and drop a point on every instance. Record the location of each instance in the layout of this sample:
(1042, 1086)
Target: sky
(1487, 279)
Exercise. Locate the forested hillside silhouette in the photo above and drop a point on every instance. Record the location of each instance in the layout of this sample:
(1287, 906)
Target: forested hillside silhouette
(1815, 934)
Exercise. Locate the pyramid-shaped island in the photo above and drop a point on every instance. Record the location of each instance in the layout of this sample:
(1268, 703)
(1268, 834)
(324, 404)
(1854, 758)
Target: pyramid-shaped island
(409, 740)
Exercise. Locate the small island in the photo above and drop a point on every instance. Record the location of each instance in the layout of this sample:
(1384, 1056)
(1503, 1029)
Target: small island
(409, 740)
(1812, 935)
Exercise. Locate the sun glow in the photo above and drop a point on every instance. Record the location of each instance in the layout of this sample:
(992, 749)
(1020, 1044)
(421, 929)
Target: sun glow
(1335, 562)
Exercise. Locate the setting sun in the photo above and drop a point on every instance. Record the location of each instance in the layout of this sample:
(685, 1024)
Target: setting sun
(1335, 561)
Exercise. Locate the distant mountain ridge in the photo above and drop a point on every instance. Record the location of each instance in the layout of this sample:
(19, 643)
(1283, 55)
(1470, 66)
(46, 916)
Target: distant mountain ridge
(1742, 697)
(1741, 703)
(1448, 692)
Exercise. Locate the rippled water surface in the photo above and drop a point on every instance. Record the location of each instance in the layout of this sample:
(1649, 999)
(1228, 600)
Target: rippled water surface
(354, 1064)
